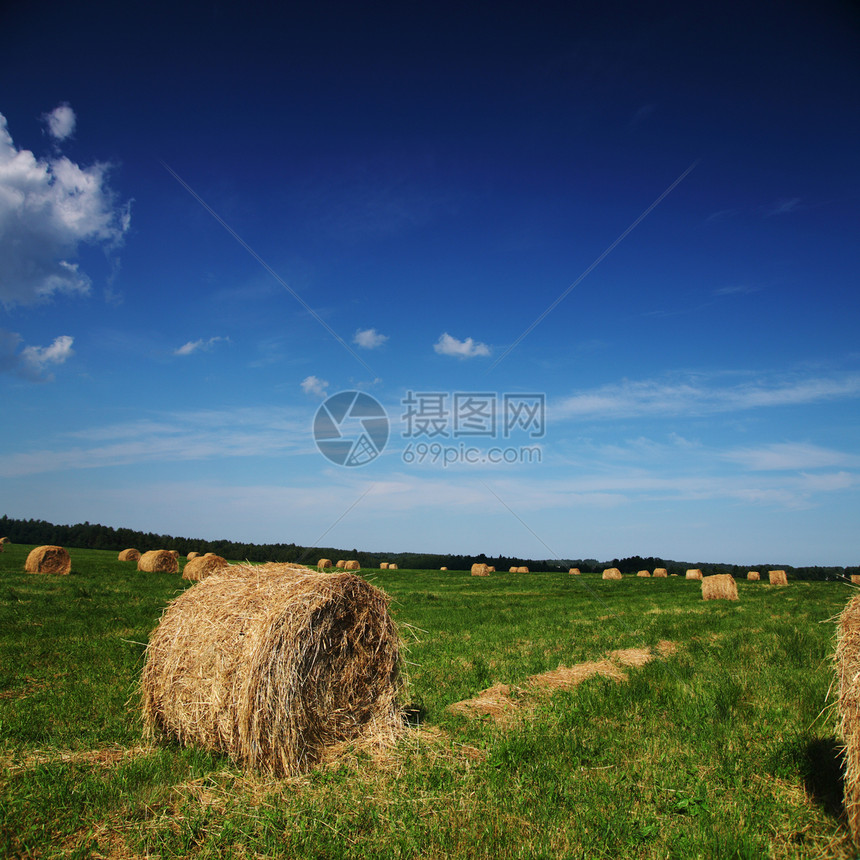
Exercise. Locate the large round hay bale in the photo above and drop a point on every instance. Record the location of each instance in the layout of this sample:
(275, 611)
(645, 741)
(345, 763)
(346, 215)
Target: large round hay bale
(479, 569)
(340, 564)
(694, 573)
(777, 577)
(352, 564)
(324, 564)
(855, 578)
(174, 553)
(201, 567)
(720, 586)
(490, 569)
(443, 568)
(612, 573)
(130, 554)
(4, 540)
(273, 670)
(383, 565)
(158, 561)
(522, 570)
(848, 677)
(644, 573)
(753, 576)
(208, 553)
(574, 571)
(661, 571)
(392, 566)
(48, 559)
(192, 555)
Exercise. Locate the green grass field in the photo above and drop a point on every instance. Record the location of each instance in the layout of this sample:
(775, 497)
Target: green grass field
(723, 749)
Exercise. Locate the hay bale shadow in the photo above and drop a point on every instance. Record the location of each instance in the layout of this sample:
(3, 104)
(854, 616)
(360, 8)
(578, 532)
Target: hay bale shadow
(823, 775)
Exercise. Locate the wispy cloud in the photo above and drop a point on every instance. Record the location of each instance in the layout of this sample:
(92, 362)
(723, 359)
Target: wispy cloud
(369, 338)
(315, 386)
(202, 345)
(784, 206)
(790, 456)
(468, 348)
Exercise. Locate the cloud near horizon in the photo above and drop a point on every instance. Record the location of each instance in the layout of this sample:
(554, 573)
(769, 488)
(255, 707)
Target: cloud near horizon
(468, 348)
(48, 208)
(369, 338)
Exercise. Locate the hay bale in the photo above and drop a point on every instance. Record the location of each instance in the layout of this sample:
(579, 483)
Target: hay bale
(753, 576)
(720, 586)
(207, 554)
(490, 569)
(574, 571)
(661, 571)
(392, 566)
(522, 570)
(383, 565)
(848, 678)
(4, 540)
(48, 559)
(513, 569)
(777, 577)
(129, 555)
(192, 555)
(673, 574)
(275, 670)
(855, 578)
(340, 564)
(612, 573)
(352, 565)
(158, 561)
(694, 573)
(203, 566)
(174, 553)
(443, 568)
(644, 573)
(324, 564)
(480, 570)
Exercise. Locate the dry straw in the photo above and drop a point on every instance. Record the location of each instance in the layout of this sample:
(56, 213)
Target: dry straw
(201, 567)
(129, 555)
(513, 570)
(490, 569)
(4, 540)
(174, 552)
(574, 570)
(855, 578)
(661, 571)
(612, 573)
(158, 561)
(753, 576)
(443, 568)
(383, 565)
(274, 666)
(392, 566)
(720, 586)
(352, 565)
(644, 573)
(522, 570)
(694, 573)
(848, 676)
(480, 570)
(192, 555)
(777, 577)
(340, 564)
(48, 559)
(324, 564)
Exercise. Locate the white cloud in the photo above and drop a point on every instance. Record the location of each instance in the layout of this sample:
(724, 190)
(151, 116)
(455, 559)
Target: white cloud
(201, 345)
(790, 456)
(468, 348)
(47, 209)
(31, 362)
(369, 338)
(61, 122)
(314, 385)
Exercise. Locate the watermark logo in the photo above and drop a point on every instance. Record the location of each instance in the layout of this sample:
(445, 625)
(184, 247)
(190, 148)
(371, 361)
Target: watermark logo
(351, 428)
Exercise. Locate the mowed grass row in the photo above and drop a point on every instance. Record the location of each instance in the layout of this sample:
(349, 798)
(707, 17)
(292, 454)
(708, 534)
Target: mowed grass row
(724, 749)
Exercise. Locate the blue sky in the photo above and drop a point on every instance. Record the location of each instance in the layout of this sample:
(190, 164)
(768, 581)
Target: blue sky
(413, 187)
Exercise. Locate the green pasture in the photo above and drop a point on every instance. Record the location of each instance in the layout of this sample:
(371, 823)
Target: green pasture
(723, 749)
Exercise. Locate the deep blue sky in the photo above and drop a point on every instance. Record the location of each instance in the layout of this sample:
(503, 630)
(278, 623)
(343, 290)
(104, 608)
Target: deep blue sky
(413, 171)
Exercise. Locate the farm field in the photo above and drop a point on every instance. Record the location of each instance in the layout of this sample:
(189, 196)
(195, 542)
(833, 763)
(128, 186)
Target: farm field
(722, 745)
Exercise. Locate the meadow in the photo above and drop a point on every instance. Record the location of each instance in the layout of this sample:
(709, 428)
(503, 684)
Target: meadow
(722, 746)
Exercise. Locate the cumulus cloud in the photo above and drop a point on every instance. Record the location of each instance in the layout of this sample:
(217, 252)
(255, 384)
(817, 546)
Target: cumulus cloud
(32, 361)
(48, 208)
(468, 348)
(61, 122)
(369, 338)
(314, 385)
(201, 345)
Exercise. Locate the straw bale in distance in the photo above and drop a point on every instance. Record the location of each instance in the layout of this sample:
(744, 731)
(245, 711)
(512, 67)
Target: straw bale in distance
(48, 559)
(383, 565)
(324, 563)
(158, 561)
(340, 564)
(574, 570)
(352, 565)
(443, 568)
(129, 555)
(513, 569)
(694, 573)
(848, 677)
(192, 555)
(201, 567)
(644, 573)
(4, 540)
(612, 573)
(661, 571)
(777, 577)
(392, 566)
(855, 578)
(275, 670)
(490, 569)
(479, 569)
(754, 576)
(522, 570)
(720, 586)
